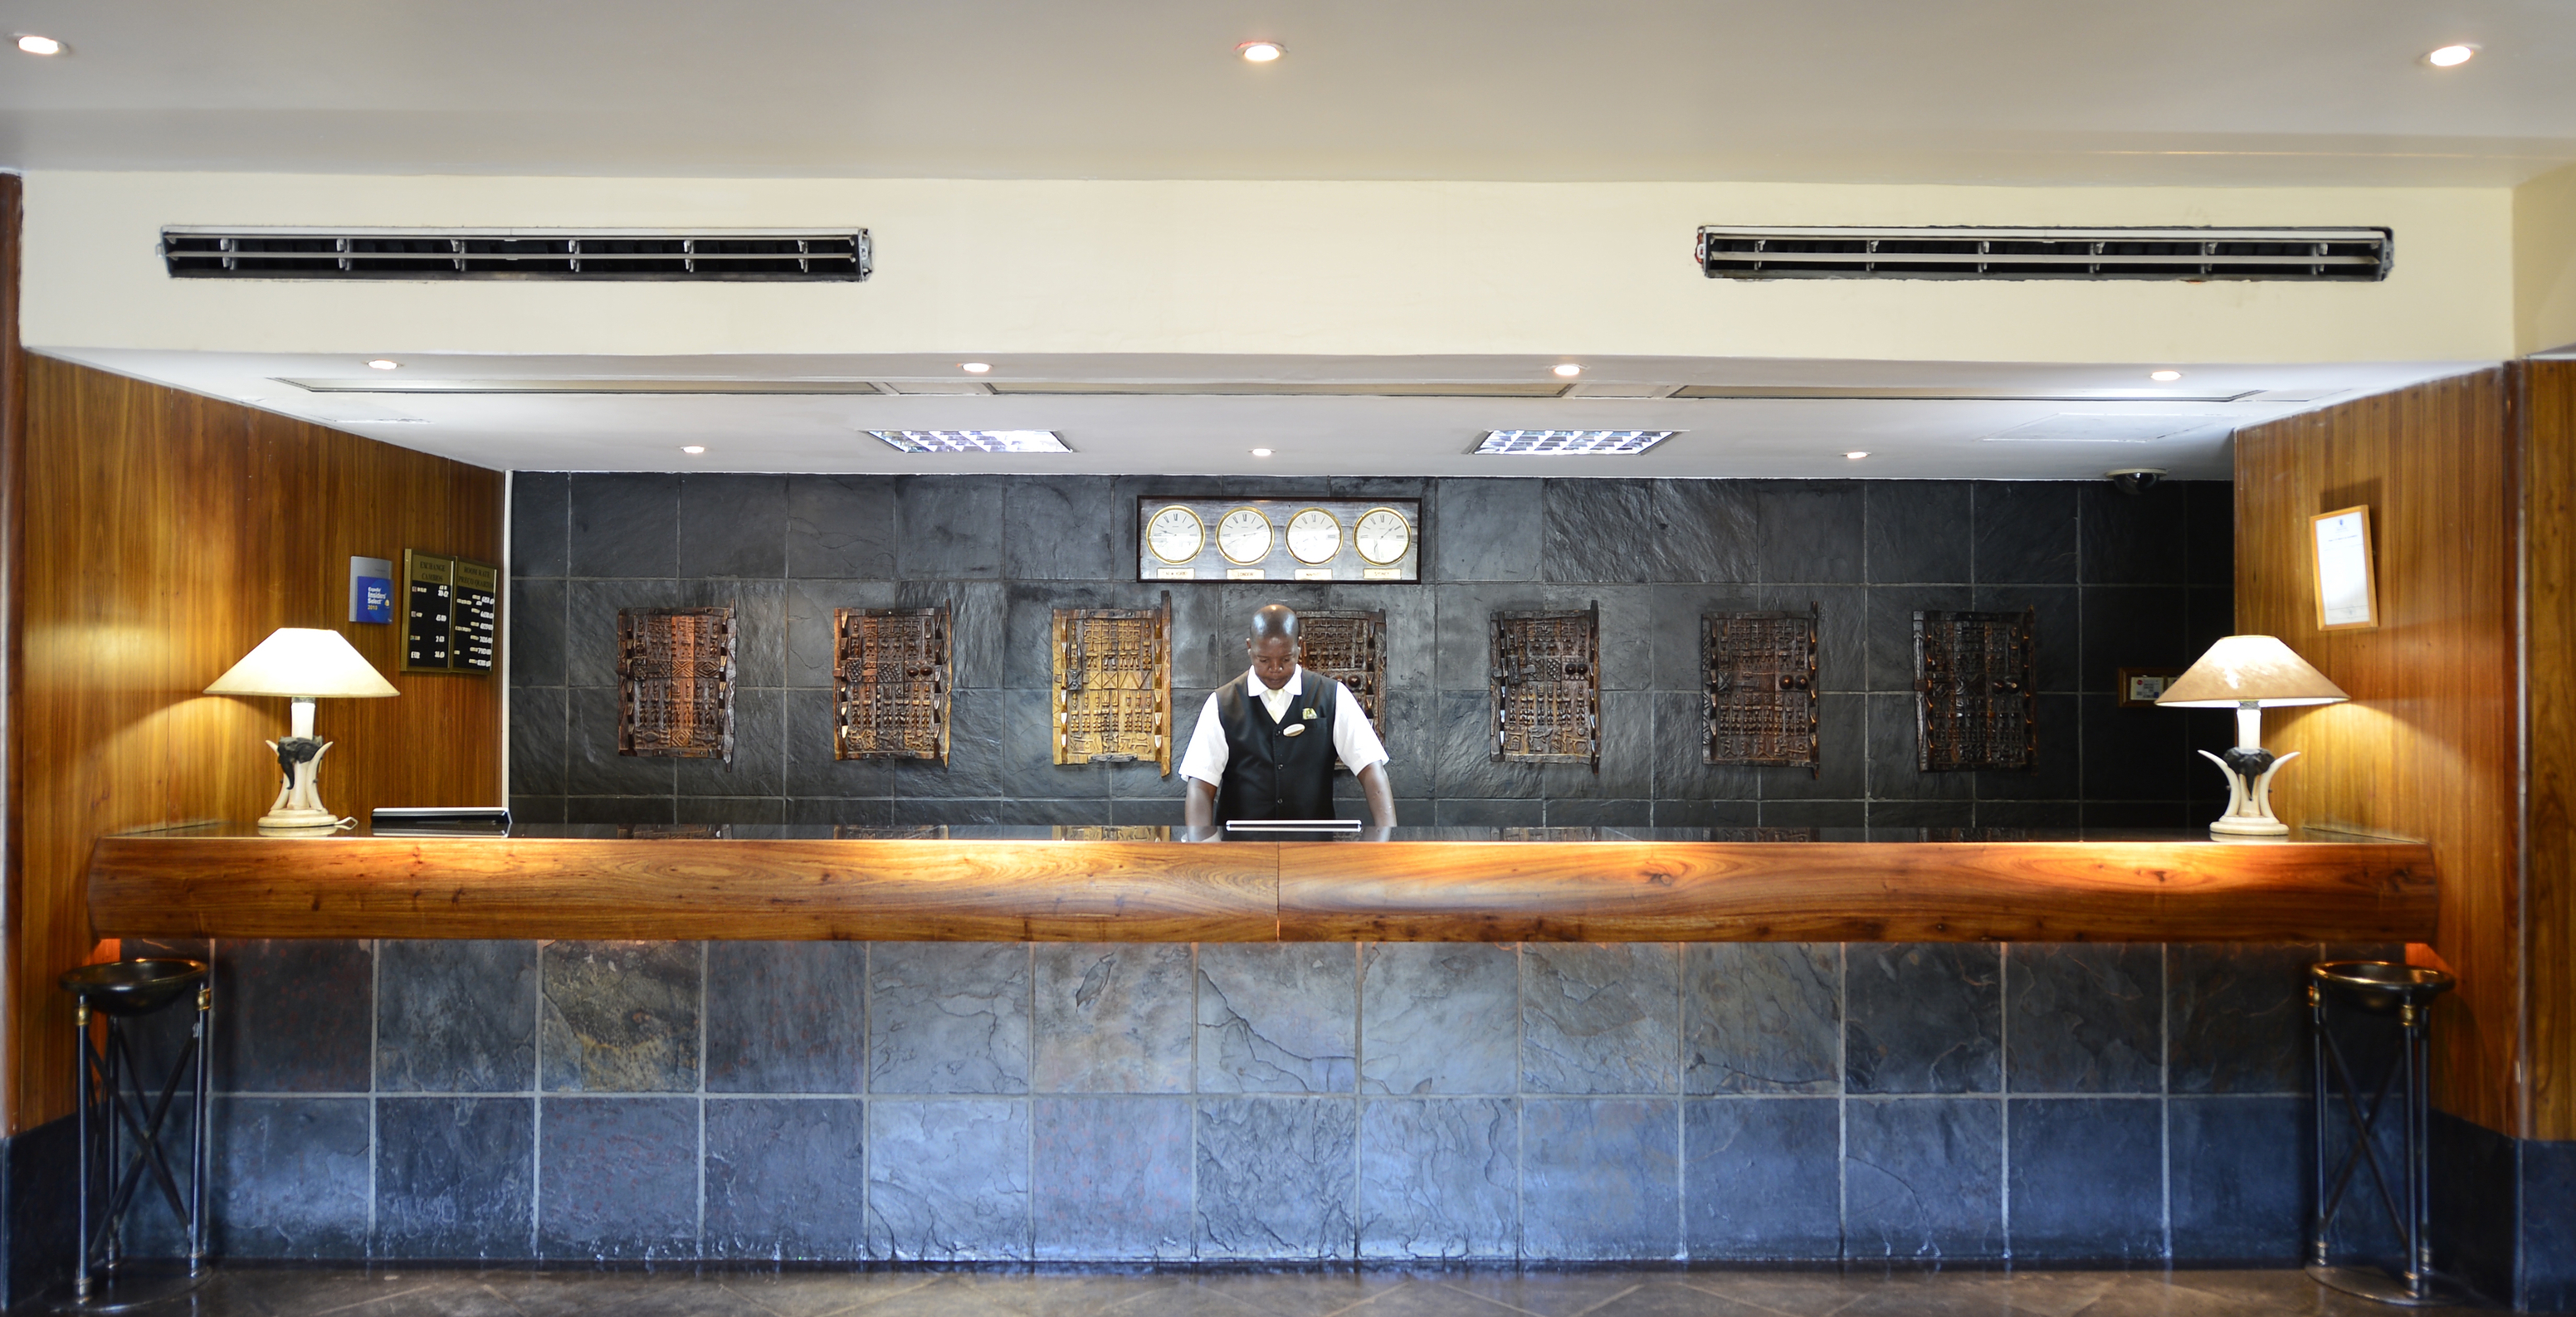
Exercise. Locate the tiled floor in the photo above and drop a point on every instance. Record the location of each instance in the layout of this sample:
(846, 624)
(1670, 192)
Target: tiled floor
(251, 1292)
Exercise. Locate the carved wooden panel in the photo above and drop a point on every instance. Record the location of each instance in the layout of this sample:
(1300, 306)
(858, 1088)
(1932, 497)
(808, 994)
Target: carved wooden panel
(1760, 671)
(1113, 685)
(1977, 706)
(1349, 646)
(890, 683)
(1545, 687)
(675, 682)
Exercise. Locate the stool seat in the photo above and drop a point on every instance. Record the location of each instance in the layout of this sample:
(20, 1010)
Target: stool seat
(133, 987)
(2380, 986)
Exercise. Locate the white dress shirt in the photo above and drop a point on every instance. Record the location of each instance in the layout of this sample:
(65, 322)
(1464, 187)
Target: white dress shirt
(1355, 743)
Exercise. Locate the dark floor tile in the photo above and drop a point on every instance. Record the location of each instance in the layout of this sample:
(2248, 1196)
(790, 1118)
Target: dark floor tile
(625, 524)
(1926, 1017)
(1439, 1178)
(733, 525)
(2476, 1231)
(1600, 1018)
(2084, 1017)
(1276, 1177)
(786, 1179)
(289, 1178)
(455, 1177)
(2548, 1225)
(456, 1017)
(2087, 1178)
(948, 1180)
(948, 1017)
(1110, 1178)
(786, 1017)
(1439, 1018)
(1920, 531)
(1761, 1017)
(2239, 1017)
(1762, 1179)
(1278, 1018)
(1923, 1178)
(293, 1015)
(620, 1017)
(1600, 1179)
(540, 523)
(618, 1178)
(2242, 1170)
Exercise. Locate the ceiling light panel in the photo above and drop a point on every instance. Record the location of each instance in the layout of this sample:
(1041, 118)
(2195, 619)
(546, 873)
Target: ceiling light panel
(1553, 443)
(973, 441)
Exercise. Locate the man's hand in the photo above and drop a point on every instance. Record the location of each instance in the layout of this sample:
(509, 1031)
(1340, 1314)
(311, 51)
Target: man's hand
(1381, 795)
(1198, 806)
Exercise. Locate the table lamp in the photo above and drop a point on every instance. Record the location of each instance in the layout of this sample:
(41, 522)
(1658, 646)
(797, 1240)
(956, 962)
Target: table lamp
(2250, 674)
(303, 664)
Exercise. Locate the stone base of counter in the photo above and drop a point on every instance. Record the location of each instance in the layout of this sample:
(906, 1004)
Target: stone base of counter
(414, 1100)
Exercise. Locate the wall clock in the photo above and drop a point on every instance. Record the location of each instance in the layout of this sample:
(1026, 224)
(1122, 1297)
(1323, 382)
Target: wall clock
(1175, 534)
(1183, 537)
(1314, 536)
(1382, 536)
(1243, 536)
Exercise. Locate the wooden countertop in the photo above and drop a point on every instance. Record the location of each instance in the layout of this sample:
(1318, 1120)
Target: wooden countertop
(1107, 885)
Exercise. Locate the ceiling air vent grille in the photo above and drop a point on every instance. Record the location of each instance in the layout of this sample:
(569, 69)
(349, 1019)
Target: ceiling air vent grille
(615, 254)
(2310, 255)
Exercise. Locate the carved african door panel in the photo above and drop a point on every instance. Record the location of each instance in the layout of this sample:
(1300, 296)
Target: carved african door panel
(1113, 685)
(1976, 705)
(675, 682)
(891, 683)
(1760, 670)
(1545, 687)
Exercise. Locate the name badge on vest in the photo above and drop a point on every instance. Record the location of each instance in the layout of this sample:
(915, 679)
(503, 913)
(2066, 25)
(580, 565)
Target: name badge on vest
(1297, 729)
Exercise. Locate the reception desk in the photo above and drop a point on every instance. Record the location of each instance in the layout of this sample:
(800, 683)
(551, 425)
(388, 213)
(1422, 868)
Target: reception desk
(771, 883)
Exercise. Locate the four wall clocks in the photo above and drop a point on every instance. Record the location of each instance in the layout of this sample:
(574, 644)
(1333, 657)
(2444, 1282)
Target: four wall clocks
(1321, 539)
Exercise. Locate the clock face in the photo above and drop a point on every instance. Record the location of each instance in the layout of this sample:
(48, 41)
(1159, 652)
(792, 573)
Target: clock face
(1382, 535)
(1314, 536)
(1176, 534)
(1243, 536)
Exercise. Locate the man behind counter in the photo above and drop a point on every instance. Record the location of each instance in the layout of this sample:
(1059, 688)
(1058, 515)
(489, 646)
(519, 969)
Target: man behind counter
(1274, 759)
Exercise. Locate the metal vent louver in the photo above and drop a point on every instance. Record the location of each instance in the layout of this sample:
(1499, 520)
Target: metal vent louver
(2310, 255)
(615, 254)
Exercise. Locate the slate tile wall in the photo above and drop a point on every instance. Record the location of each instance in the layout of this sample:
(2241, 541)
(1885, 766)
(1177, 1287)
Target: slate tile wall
(1122, 1102)
(2119, 581)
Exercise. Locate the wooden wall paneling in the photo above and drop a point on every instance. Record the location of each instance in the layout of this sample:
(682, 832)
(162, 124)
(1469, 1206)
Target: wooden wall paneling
(13, 491)
(173, 533)
(2428, 746)
(2546, 403)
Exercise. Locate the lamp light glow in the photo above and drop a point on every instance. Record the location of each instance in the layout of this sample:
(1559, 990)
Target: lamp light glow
(2451, 57)
(1260, 52)
(36, 45)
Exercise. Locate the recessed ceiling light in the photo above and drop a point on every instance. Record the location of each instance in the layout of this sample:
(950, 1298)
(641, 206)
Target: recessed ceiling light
(1261, 452)
(1260, 52)
(1546, 443)
(1568, 371)
(693, 449)
(1855, 456)
(974, 367)
(2446, 57)
(2164, 376)
(36, 45)
(973, 441)
(381, 364)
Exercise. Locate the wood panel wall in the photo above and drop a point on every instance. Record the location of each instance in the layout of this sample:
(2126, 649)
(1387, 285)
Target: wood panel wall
(2546, 406)
(2429, 747)
(164, 535)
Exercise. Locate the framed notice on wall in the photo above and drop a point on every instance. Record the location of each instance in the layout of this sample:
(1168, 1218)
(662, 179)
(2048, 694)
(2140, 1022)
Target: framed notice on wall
(2347, 585)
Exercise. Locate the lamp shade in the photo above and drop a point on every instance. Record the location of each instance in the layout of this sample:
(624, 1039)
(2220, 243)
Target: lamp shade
(304, 663)
(2259, 670)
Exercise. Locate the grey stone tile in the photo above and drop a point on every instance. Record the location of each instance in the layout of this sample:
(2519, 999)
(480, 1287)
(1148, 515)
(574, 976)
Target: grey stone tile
(456, 1017)
(842, 527)
(952, 529)
(1600, 813)
(1895, 756)
(1925, 1017)
(1110, 1178)
(1600, 1179)
(1810, 530)
(1667, 530)
(619, 1017)
(786, 1017)
(625, 524)
(1762, 1179)
(537, 732)
(2210, 527)
(1682, 770)
(1890, 629)
(1920, 531)
(1439, 1178)
(2133, 626)
(1484, 531)
(2134, 539)
(811, 608)
(1277, 1018)
(812, 772)
(2239, 1017)
(758, 767)
(617, 1178)
(2026, 531)
(2241, 1171)
(592, 765)
(540, 523)
(1464, 646)
(1843, 752)
(2548, 1253)
(1028, 637)
(1275, 1177)
(289, 1178)
(455, 1177)
(733, 525)
(2058, 771)
(978, 614)
(786, 1179)
(1067, 528)
(2085, 1017)
(536, 632)
(1761, 1017)
(1923, 1178)
(948, 1017)
(763, 810)
(2059, 614)
(1113, 1017)
(296, 1015)
(2087, 1178)
(1600, 1018)
(1412, 628)
(1439, 1017)
(620, 810)
(1466, 769)
(948, 1180)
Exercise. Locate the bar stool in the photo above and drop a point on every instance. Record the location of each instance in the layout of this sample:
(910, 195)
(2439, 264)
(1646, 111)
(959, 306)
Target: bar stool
(122, 1123)
(2377, 989)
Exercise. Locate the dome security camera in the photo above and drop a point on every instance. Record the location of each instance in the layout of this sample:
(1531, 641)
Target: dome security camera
(2136, 479)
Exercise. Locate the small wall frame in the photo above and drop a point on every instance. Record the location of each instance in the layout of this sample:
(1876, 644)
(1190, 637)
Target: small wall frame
(1760, 673)
(1113, 685)
(675, 680)
(1976, 705)
(1545, 687)
(2346, 576)
(891, 683)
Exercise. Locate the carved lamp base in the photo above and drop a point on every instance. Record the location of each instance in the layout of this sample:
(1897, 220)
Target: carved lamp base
(2249, 771)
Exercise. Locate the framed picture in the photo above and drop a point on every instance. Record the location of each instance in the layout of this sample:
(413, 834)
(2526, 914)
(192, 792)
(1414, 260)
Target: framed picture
(2347, 588)
(2144, 686)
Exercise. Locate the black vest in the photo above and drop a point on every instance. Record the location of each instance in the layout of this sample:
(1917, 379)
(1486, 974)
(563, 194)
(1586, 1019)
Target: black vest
(1269, 775)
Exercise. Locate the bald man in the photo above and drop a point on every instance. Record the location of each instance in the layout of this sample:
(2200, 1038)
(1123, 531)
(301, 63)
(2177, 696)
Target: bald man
(1265, 744)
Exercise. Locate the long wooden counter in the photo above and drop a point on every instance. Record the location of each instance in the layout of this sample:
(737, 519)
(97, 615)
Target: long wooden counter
(1106, 885)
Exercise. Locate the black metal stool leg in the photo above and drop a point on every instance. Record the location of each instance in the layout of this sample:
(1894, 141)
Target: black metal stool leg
(2406, 992)
(124, 1128)
(198, 1120)
(86, 1052)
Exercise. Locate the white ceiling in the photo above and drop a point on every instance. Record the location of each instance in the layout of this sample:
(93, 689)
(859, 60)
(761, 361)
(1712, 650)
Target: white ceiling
(2002, 91)
(2075, 422)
